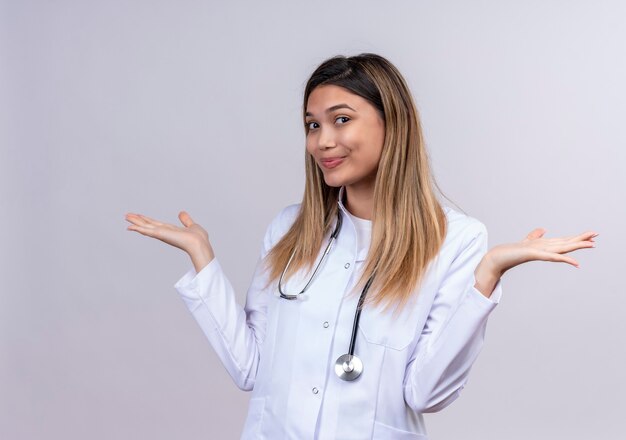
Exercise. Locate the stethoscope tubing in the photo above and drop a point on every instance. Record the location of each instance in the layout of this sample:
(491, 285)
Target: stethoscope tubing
(333, 238)
(348, 366)
(357, 315)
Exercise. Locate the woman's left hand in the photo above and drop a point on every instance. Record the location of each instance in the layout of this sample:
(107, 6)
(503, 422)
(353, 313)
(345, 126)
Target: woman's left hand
(534, 247)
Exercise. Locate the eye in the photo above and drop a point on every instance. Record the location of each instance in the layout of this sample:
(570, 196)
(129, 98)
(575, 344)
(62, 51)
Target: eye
(307, 125)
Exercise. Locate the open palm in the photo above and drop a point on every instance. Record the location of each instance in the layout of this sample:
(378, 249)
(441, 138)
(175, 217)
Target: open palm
(535, 247)
(183, 237)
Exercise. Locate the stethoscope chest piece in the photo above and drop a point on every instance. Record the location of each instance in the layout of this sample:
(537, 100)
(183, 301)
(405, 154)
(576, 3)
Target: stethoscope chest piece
(348, 367)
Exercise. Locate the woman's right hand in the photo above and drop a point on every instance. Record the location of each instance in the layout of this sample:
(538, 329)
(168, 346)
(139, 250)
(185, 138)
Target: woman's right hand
(191, 237)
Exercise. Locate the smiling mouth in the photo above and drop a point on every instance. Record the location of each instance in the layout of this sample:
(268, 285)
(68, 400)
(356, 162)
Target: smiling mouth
(332, 163)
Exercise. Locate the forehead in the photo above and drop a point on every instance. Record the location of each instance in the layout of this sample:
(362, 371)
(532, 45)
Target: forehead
(327, 95)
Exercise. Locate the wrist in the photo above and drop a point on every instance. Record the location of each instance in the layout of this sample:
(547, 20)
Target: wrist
(201, 254)
(487, 275)
(489, 265)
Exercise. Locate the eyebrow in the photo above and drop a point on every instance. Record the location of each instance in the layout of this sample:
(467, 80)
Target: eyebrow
(333, 108)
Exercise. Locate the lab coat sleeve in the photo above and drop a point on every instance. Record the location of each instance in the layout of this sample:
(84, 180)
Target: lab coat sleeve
(236, 333)
(454, 332)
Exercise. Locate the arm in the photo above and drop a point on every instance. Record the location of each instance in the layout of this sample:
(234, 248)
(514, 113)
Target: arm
(454, 332)
(487, 276)
(235, 333)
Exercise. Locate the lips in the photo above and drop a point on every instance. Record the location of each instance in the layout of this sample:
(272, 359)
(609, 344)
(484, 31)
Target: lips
(332, 162)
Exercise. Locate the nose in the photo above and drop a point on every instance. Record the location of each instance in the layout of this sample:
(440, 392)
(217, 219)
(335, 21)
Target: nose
(326, 139)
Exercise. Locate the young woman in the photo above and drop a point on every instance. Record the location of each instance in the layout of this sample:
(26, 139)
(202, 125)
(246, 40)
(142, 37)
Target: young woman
(370, 299)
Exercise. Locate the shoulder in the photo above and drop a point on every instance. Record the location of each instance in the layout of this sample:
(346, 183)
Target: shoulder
(462, 230)
(281, 222)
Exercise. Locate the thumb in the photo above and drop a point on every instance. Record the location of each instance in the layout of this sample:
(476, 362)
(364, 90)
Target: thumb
(536, 233)
(185, 218)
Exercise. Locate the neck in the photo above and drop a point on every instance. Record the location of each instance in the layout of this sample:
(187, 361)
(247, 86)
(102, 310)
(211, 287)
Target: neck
(360, 200)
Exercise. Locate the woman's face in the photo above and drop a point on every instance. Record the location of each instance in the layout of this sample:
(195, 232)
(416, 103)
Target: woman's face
(346, 135)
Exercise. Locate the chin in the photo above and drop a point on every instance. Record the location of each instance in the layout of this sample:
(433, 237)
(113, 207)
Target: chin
(334, 181)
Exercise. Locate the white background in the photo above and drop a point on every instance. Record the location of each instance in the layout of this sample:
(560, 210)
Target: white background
(108, 107)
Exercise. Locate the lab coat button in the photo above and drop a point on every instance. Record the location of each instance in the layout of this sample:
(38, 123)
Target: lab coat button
(325, 324)
(315, 390)
(347, 265)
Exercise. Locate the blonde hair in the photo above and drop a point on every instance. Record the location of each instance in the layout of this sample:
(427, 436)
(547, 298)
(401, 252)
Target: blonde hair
(408, 222)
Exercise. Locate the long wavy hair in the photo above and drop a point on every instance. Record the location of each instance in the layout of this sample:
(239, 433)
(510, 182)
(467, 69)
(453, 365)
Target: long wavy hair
(408, 222)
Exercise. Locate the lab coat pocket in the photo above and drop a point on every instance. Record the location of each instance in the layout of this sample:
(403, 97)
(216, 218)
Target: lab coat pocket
(382, 431)
(381, 328)
(402, 329)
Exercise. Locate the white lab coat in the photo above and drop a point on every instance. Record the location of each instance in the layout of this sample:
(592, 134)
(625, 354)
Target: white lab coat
(285, 351)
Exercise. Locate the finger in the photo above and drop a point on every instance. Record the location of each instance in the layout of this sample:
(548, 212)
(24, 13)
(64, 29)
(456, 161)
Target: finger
(556, 257)
(561, 241)
(570, 247)
(150, 220)
(143, 230)
(589, 235)
(185, 218)
(586, 237)
(136, 219)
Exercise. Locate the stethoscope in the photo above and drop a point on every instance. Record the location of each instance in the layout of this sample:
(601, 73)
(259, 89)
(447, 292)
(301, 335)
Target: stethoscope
(347, 366)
